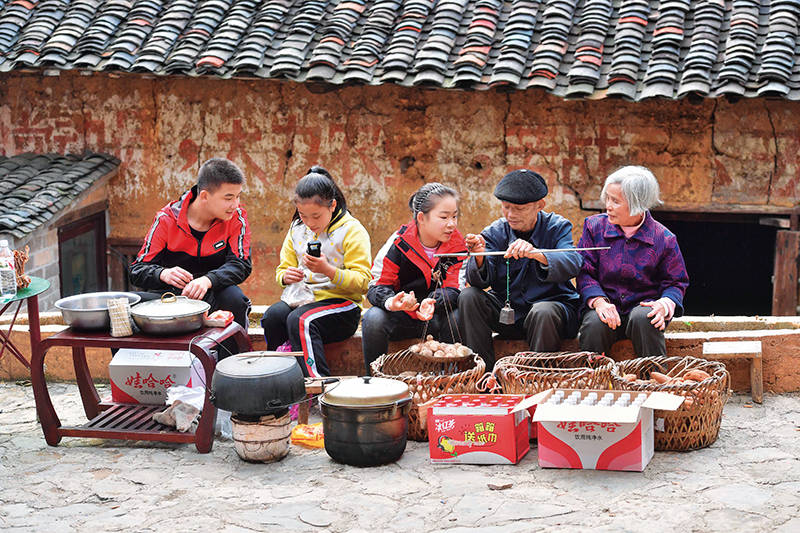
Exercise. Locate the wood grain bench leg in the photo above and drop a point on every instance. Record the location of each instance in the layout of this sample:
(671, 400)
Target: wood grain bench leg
(302, 412)
(756, 379)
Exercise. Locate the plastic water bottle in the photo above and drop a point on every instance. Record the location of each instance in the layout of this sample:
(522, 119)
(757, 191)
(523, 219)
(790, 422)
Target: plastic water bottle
(554, 400)
(8, 276)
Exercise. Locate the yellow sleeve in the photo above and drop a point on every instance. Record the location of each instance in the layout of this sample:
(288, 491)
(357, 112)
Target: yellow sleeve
(357, 262)
(288, 258)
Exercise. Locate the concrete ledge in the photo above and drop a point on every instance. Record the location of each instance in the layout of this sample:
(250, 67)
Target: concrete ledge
(733, 323)
(683, 324)
(781, 355)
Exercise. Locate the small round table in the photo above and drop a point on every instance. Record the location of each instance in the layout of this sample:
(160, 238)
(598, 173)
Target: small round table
(30, 294)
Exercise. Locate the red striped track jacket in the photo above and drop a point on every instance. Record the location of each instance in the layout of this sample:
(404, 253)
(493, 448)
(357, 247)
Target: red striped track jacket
(403, 265)
(223, 255)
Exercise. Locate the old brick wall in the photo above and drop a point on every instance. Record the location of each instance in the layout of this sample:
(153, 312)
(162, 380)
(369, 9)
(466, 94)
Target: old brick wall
(383, 142)
(43, 262)
(43, 255)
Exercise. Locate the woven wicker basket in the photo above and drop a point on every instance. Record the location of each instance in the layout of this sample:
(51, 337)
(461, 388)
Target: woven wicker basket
(692, 426)
(427, 379)
(533, 372)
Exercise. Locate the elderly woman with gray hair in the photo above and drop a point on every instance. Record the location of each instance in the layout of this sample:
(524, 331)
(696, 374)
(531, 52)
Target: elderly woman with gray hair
(634, 289)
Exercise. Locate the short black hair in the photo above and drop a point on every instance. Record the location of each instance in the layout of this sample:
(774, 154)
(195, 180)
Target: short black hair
(217, 171)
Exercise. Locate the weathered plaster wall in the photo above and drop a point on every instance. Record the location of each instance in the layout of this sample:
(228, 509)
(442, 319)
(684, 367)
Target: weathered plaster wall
(382, 142)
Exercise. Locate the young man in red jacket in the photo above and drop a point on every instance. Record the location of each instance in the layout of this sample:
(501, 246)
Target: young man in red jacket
(199, 245)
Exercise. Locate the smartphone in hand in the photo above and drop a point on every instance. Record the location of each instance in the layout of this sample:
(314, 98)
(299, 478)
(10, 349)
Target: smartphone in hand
(314, 249)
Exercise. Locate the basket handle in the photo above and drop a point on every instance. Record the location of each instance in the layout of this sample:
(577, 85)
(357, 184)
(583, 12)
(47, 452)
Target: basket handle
(488, 383)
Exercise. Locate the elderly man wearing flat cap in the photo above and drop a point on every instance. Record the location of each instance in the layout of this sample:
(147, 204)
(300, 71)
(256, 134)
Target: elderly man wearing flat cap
(544, 301)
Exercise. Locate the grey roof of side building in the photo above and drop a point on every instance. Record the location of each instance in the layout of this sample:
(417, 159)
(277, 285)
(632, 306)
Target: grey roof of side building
(583, 49)
(36, 187)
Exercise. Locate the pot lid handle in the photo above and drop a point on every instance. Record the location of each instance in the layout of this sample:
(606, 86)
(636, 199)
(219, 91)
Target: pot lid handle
(366, 379)
(168, 297)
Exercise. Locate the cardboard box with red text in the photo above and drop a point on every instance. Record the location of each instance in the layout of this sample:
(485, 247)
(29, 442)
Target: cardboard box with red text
(477, 429)
(143, 376)
(598, 437)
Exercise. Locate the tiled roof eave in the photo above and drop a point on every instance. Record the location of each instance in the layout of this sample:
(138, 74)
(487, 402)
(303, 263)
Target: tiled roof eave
(34, 188)
(596, 94)
(573, 49)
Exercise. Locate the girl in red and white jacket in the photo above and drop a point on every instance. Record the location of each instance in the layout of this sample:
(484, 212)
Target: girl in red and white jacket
(410, 288)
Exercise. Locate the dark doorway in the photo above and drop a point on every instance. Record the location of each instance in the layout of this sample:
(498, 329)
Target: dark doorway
(730, 261)
(82, 255)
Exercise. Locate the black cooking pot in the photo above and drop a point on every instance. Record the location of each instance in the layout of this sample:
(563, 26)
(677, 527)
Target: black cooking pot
(254, 385)
(365, 421)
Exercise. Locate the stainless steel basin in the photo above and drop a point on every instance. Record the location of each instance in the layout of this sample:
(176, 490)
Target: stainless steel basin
(90, 310)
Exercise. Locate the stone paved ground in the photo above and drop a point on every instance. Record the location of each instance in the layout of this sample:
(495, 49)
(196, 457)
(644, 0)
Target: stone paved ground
(749, 480)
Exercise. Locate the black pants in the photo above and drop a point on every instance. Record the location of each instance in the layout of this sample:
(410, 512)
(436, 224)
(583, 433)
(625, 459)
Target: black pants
(229, 298)
(379, 326)
(479, 315)
(596, 336)
(309, 327)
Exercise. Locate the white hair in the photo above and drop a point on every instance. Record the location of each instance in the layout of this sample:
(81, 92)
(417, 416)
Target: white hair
(639, 186)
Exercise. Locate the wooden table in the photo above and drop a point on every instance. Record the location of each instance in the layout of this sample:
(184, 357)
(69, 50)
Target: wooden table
(113, 420)
(29, 294)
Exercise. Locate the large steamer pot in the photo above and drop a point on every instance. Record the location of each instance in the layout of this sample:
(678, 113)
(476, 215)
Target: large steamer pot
(90, 311)
(365, 420)
(253, 384)
(170, 315)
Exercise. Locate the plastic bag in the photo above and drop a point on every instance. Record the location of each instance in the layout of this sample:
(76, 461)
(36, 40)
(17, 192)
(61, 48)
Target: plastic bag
(194, 396)
(308, 435)
(223, 427)
(297, 294)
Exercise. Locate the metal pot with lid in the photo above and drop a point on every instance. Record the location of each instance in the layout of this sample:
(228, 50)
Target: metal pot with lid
(253, 384)
(170, 315)
(365, 420)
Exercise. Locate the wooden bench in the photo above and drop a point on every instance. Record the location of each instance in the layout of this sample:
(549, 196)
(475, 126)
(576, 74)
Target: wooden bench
(736, 349)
